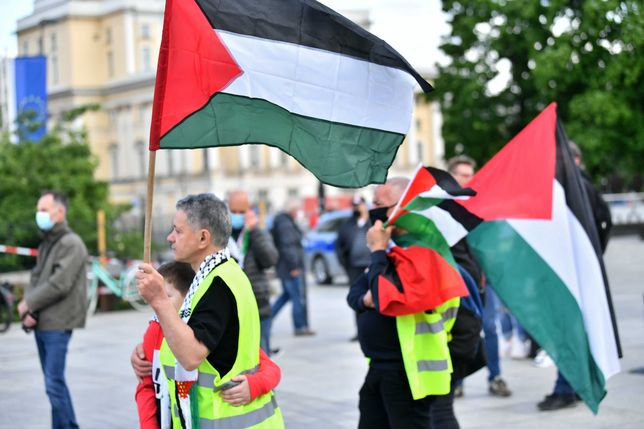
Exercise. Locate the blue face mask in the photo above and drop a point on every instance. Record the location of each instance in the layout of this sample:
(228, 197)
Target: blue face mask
(238, 220)
(44, 222)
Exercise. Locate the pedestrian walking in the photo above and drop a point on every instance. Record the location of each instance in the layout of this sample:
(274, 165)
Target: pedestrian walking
(55, 301)
(255, 253)
(287, 237)
(351, 246)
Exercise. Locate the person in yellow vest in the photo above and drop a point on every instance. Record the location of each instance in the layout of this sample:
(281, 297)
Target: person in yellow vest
(215, 335)
(409, 360)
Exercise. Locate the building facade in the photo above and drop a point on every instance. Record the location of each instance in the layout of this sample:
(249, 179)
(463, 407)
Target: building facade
(104, 52)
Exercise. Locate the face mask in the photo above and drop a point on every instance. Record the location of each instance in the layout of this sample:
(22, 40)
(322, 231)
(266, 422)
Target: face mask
(43, 220)
(379, 213)
(238, 220)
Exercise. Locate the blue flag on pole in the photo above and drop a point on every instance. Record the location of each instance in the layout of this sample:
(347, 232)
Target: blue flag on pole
(31, 95)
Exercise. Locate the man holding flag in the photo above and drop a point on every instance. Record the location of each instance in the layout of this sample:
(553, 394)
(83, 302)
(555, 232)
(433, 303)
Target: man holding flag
(406, 311)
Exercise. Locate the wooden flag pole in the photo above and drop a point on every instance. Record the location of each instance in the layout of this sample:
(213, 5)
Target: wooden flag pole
(147, 232)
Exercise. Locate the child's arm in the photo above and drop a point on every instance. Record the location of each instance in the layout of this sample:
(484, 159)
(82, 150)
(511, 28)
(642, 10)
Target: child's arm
(145, 397)
(253, 385)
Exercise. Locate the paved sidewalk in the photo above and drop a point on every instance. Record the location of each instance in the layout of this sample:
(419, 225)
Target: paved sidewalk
(321, 375)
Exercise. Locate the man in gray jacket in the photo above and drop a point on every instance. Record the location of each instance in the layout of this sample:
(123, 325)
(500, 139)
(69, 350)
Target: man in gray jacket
(254, 250)
(56, 300)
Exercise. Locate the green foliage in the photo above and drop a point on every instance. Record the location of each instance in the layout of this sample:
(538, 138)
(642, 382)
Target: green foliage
(584, 54)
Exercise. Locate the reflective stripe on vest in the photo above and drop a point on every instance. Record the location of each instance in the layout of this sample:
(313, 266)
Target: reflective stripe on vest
(433, 365)
(208, 380)
(242, 421)
(425, 327)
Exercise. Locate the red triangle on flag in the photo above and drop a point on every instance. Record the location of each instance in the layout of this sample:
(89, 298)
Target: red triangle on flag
(194, 55)
(518, 182)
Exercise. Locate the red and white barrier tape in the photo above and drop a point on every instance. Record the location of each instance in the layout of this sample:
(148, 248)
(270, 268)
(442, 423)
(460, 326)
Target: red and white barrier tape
(24, 251)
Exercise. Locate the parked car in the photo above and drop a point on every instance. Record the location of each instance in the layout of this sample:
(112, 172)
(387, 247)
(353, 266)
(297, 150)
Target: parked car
(319, 247)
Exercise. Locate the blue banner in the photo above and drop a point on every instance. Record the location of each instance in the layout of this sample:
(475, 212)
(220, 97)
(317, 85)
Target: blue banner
(31, 97)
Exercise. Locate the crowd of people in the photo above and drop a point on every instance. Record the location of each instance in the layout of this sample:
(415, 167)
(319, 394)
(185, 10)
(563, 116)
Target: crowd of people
(204, 360)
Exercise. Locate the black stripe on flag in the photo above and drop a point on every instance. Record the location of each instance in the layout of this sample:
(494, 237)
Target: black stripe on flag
(307, 23)
(447, 182)
(460, 214)
(569, 176)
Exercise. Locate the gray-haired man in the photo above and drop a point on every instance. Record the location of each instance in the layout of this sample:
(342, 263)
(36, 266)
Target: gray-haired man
(215, 335)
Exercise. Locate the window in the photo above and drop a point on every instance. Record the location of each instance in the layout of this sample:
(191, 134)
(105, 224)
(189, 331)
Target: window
(332, 225)
(255, 156)
(110, 64)
(420, 150)
(40, 46)
(145, 31)
(25, 48)
(283, 159)
(54, 69)
(114, 160)
(146, 64)
(53, 42)
(170, 155)
(108, 36)
(140, 151)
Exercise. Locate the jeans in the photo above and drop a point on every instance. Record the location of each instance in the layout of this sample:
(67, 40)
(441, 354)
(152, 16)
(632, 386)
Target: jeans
(291, 291)
(265, 335)
(562, 387)
(491, 340)
(52, 350)
(509, 323)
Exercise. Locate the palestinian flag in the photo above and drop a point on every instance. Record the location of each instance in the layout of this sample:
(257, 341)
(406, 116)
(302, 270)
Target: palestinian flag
(539, 249)
(292, 74)
(428, 212)
(414, 287)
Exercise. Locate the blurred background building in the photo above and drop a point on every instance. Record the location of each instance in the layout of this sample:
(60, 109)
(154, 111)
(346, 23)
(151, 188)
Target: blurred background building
(104, 52)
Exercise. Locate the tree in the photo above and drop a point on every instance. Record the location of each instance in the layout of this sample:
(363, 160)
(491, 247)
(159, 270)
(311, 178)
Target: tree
(61, 160)
(584, 54)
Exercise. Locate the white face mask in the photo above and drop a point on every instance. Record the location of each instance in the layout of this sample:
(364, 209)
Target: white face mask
(43, 220)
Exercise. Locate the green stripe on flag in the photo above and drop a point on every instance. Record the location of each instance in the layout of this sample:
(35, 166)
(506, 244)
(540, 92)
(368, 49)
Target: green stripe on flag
(422, 203)
(338, 154)
(541, 302)
(422, 231)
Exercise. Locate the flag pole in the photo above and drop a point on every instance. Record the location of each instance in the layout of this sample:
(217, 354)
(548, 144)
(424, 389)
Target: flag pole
(147, 231)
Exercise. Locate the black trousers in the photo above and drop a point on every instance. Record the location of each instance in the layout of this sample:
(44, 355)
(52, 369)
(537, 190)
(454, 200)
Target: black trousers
(386, 402)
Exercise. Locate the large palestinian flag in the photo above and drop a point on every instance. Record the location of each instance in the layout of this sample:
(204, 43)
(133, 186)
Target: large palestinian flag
(292, 74)
(539, 248)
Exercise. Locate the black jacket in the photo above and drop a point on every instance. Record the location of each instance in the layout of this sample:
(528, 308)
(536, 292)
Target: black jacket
(601, 212)
(287, 237)
(351, 246)
(260, 256)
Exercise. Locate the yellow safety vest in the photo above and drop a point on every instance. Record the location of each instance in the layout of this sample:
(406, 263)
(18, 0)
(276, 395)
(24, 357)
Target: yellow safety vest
(214, 413)
(423, 340)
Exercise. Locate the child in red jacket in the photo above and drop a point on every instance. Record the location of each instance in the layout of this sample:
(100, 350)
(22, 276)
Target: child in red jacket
(151, 394)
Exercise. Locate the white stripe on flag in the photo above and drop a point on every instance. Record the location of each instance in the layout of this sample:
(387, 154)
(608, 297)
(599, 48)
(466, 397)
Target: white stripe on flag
(321, 84)
(565, 247)
(452, 230)
(440, 193)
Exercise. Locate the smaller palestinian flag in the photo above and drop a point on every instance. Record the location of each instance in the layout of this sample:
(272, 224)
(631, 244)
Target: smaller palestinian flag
(292, 74)
(428, 212)
(421, 280)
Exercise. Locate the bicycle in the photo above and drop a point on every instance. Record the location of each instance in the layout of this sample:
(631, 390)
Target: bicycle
(123, 286)
(6, 306)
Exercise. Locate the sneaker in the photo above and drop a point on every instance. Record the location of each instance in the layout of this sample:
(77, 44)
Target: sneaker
(542, 360)
(304, 332)
(556, 402)
(520, 349)
(505, 347)
(458, 391)
(497, 387)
